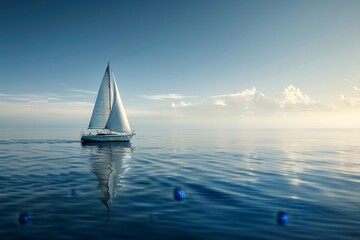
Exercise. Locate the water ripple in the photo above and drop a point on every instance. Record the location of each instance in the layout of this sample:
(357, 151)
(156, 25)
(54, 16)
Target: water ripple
(235, 185)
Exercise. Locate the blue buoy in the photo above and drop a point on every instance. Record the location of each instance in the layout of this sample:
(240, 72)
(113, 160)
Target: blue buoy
(282, 218)
(24, 218)
(179, 194)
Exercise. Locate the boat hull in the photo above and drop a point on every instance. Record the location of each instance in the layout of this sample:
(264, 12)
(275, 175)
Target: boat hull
(106, 138)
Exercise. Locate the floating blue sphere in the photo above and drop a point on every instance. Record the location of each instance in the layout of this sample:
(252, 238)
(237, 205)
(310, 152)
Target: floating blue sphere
(282, 218)
(24, 218)
(179, 194)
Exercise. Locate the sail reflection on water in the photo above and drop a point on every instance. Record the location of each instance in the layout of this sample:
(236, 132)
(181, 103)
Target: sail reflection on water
(108, 163)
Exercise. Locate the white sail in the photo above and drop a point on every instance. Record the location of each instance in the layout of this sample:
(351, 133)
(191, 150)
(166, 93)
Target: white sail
(102, 106)
(109, 115)
(118, 121)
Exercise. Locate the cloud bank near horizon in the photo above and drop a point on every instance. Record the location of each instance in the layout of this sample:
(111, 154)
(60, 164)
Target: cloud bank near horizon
(291, 99)
(252, 108)
(247, 108)
(165, 96)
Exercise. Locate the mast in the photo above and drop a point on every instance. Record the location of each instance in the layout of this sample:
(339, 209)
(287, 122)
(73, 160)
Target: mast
(109, 84)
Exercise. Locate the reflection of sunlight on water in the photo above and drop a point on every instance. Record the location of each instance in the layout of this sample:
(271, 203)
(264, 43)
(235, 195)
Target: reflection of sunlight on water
(294, 197)
(295, 181)
(294, 163)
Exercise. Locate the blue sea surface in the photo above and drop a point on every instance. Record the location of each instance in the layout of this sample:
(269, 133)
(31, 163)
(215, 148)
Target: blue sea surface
(233, 182)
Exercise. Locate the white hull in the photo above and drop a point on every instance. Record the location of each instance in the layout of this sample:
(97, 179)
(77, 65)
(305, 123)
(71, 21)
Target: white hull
(106, 138)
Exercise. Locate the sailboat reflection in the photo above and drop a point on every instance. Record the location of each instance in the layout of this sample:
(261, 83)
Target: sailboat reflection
(108, 163)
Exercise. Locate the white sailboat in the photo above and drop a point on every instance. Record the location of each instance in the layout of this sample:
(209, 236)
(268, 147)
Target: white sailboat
(108, 121)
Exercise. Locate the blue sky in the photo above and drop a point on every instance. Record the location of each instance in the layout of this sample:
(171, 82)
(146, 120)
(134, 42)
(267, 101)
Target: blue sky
(176, 59)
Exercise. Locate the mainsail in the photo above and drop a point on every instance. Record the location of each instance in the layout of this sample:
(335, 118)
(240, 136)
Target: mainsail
(102, 106)
(117, 121)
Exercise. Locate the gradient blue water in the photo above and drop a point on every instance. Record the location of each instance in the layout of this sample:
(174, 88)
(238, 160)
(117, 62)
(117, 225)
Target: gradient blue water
(235, 183)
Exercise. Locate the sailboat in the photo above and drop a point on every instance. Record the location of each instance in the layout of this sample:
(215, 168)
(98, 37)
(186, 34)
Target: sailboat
(108, 122)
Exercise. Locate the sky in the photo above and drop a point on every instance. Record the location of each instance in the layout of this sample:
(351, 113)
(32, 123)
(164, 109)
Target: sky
(182, 64)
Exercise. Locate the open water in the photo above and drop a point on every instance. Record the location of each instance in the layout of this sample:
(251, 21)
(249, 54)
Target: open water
(235, 183)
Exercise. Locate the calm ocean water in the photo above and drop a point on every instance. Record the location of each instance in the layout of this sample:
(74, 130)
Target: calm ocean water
(235, 182)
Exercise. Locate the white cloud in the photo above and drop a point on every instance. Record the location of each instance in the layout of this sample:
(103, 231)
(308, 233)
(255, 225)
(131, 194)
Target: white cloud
(246, 99)
(250, 103)
(348, 80)
(293, 96)
(35, 98)
(356, 88)
(54, 99)
(19, 99)
(349, 101)
(246, 94)
(48, 109)
(82, 91)
(181, 105)
(166, 96)
(40, 98)
(220, 102)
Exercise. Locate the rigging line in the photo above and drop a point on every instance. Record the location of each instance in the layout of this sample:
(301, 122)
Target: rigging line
(109, 71)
